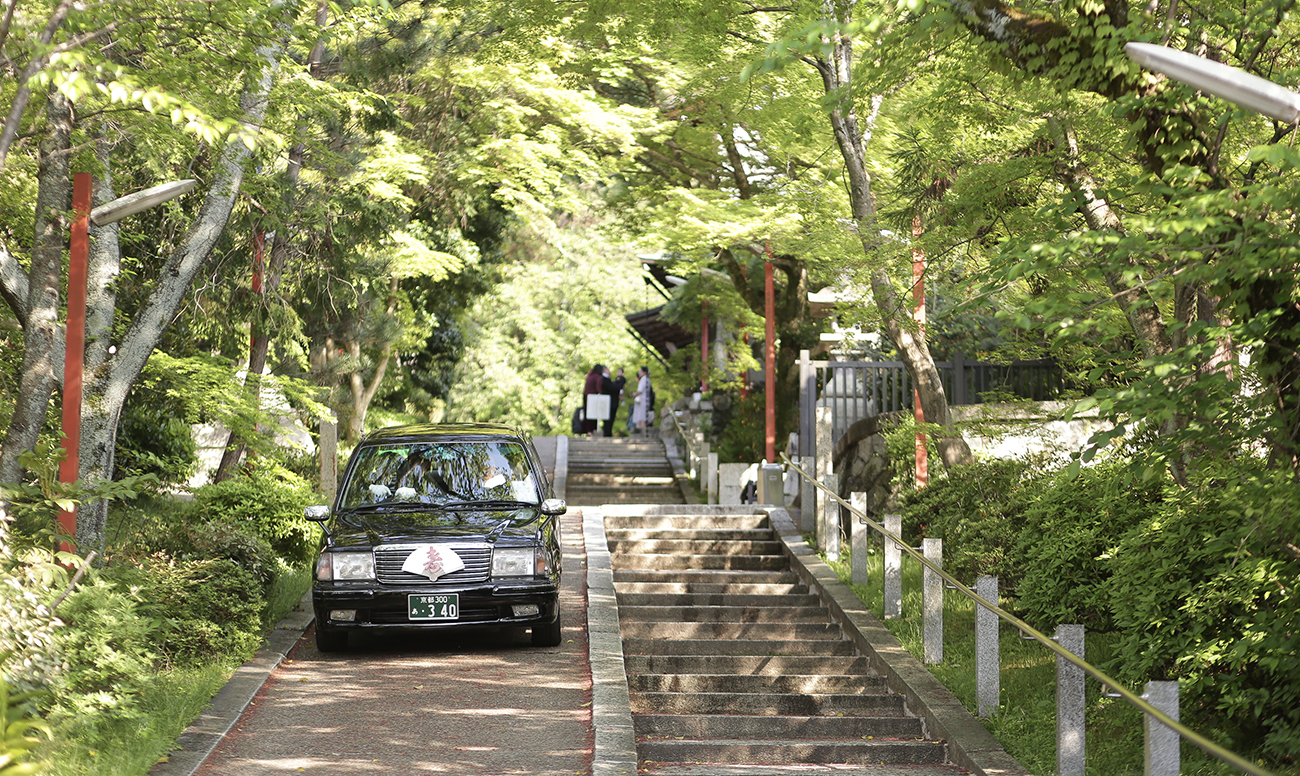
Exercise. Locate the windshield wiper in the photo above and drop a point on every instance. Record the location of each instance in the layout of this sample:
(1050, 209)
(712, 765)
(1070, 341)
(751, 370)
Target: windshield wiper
(493, 503)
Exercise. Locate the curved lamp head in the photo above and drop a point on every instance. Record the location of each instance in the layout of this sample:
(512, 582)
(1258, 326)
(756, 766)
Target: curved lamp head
(122, 207)
(1232, 84)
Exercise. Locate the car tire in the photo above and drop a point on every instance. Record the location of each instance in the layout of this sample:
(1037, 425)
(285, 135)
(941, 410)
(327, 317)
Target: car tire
(331, 640)
(548, 634)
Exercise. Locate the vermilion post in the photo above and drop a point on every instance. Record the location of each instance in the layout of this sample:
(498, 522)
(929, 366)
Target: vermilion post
(769, 359)
(918, 297)
(75, 345)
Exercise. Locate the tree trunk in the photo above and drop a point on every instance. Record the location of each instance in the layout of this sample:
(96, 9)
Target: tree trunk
(260, 338)
(837, 75)
(107, 386)
(42, 367)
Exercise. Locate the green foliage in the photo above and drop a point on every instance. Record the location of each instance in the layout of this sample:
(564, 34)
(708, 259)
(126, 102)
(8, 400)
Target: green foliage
(21, 732)
(212, 608)
(1205, 592)
(107, 645)
(1071, 527)
(558, 310)
(979, 510)
(265, 501)
(740, 427)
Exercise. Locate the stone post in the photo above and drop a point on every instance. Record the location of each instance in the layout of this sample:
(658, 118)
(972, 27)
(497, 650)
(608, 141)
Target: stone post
(824, 467)
(711, 477)
(831, 534)
(893, 568)
(1070, 704)
(1162, 754)
(988, 661)
(859, 540)
(932, 602)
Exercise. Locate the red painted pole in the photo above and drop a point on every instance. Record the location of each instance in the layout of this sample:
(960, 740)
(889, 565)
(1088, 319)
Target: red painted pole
(918, 297)
(75, 346)
(769, 358)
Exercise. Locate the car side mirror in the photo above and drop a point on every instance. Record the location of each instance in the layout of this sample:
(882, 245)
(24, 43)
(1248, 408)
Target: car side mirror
(554, 506)
(318, 514)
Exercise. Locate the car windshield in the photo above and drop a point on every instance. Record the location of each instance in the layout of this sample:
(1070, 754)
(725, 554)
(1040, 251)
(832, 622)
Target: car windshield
(440, 473)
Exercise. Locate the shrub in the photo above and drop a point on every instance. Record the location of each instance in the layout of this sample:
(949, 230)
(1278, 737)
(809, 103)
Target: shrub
(211, 608)
(265, 501)
(741, 428)
(1069, 527)
(1205, 592)
(978, 511)
(106, 645)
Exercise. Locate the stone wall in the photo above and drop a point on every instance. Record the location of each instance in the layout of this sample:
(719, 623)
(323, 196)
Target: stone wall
(991, 430)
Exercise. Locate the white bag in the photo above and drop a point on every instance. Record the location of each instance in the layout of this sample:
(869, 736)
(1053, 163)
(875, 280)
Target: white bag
(597, 406)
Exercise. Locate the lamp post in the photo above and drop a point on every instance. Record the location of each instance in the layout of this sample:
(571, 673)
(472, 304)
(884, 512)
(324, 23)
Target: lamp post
(1232, 84)
(75, 339)
(769, 360)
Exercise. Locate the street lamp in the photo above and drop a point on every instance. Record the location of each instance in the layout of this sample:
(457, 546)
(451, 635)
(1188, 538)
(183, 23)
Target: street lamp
(1232, 84)
(75, 339)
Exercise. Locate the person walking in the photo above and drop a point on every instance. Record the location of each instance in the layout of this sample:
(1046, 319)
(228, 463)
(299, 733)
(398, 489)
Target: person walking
(593, 384)
(614, 388)
(641, 400)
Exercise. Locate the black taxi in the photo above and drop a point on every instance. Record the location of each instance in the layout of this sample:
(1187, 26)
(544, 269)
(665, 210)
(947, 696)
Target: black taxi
(437, 527)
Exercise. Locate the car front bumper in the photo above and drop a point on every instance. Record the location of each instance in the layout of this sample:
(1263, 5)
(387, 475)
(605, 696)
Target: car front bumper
(385, 607)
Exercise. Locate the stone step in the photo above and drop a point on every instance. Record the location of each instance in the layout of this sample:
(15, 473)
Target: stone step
(752, 726)
(661, 646)
(718, 599)
(701, 562)
(705, 576)
(682, 522)
(689, 547)
(762, 704)
(689, 534)
(722, 614)
(622, 480)
(792, 751)
(771, 631)
(746, 665)
(789, 683)
(711, 588)
(597, 496)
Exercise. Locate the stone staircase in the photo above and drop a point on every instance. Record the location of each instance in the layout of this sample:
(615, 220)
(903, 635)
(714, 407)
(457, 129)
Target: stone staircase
(620, 470)
(734, 667)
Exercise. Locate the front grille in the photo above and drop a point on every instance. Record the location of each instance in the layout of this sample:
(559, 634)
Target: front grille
(390, 557)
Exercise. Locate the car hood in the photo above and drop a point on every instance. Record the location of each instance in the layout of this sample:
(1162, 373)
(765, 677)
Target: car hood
(434, 524)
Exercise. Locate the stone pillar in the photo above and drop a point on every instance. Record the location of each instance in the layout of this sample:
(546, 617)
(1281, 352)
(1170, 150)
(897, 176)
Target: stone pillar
(831, 533)
(932, 603)
(988, 661)
(893, 568)
(824, 467)
(711, 477)
(1070, 704)
(859, 540)
(1162, 754)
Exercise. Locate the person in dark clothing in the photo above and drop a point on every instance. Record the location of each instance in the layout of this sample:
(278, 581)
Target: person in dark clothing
(594, 384)
(614, 389)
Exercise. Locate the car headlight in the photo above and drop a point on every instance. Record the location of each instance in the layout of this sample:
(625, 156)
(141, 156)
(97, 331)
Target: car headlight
(514, 562)
(345, 566)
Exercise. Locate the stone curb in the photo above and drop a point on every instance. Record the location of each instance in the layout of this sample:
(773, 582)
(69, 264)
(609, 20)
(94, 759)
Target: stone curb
(611, 703)
(228, 705)
(970, 745)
